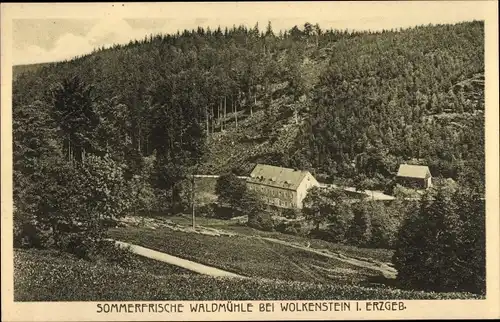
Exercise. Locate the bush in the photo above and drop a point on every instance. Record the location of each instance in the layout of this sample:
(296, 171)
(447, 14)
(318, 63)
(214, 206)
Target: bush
(76, 244)
(222, 212)
(327, 234)
(207, 210)
(384, 230)
(290, 228)
(143, 197)
(113, 253)
(360, 231)
(261, 221)
(291, 213)
(441, 246)
(402, 192)
(389, 187)
(26, 232)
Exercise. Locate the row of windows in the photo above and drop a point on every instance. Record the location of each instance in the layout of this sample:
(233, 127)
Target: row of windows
(272, 192)
(277, 202)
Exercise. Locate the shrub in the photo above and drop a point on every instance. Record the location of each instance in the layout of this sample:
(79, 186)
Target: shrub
(328, 234)
(385, 226)
(389, 187)
(207, 210)
(291, 213)
(291, 228)
(360, 231)
(143, 196)
(113, 253)
(404, 192)
(261, 221)
(27, 234)
(222, 212)
(77, 244)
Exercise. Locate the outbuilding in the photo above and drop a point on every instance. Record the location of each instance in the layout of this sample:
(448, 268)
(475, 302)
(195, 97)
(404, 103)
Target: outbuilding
(414, 176)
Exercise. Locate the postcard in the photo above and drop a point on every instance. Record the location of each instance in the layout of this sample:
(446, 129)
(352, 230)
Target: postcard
(250, 161)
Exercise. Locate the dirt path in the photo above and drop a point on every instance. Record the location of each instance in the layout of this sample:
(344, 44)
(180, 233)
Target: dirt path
(173, 260)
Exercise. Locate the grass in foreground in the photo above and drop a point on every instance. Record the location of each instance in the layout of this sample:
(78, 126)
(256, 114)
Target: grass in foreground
(49, 276)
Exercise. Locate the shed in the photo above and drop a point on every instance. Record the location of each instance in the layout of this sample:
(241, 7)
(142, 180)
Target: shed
(414, 176)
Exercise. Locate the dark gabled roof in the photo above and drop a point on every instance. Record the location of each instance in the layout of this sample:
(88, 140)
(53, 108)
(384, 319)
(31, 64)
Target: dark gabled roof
(279, 177)
(414, 171)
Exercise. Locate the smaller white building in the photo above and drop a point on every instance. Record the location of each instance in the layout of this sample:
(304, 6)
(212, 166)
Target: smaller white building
(414, 176)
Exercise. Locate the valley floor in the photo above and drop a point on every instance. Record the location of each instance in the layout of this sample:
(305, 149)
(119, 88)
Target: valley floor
(263, 255)
(278, 267)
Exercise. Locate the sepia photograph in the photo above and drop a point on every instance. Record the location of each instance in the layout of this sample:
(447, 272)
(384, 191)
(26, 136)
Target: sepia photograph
(324, 157)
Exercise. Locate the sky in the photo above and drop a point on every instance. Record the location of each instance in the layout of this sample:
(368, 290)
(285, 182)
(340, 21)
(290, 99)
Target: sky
(57, 33)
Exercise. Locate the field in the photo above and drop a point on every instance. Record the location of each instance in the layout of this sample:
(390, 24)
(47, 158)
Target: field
(377, 254)
(246, 256)
(48, 276)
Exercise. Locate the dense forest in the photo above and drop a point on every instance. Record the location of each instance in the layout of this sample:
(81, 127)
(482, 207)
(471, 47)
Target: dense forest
(395, 97)
(345, 105)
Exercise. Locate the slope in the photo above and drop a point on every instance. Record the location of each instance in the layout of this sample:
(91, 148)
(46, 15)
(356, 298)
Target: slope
(345, 105)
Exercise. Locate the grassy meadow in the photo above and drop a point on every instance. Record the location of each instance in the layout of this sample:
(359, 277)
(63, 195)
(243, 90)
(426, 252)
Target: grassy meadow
(49, 276)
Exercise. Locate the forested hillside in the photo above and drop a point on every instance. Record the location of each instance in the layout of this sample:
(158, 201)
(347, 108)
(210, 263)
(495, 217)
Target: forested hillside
(22, 69)
(400, 96)
(347, 106)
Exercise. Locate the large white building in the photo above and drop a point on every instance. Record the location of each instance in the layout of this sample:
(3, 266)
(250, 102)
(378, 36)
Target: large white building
(281, 187)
